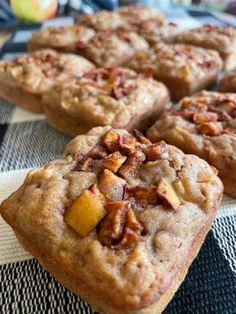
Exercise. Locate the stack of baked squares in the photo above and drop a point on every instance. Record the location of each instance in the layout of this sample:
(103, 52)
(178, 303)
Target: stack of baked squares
(120, 217)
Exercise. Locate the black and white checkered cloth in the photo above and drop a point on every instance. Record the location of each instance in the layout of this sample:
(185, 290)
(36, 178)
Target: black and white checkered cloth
(27, 141)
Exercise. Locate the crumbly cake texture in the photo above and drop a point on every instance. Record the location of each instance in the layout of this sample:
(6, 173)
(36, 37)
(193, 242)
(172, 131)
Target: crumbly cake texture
(228, 83)
(65, 38)
(183, 68)
(204, 125)
(152, 208)
(32, 75)
(213, 37)
(113, 48)
(106, 96)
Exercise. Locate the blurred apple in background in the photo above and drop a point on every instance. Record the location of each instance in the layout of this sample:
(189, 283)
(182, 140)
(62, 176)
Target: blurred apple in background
(34, 10)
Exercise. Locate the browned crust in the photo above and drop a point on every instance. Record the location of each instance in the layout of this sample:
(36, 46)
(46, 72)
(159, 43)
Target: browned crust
(61, 120)
(65, 275)
(23, 99)
(180, 88)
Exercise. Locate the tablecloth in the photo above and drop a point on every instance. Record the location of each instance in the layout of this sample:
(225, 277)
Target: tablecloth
(27, 141)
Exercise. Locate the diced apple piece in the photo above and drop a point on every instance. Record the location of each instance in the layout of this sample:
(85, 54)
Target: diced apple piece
(113, 225)
(155, 151)
(110, 140)
(85, 213)
(132, 231)
(142, 194)
(111, 185)
(141, 138)
(131, 166)
(98, 152)
(167, 193)
(113, 161)
(126, 145)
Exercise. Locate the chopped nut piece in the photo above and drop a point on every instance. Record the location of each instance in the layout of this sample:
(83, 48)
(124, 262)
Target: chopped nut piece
(154, 152)
(167, 193)
(110, 140)
(85, 213)
(186, 114)
(113, 161)
(111, 228)
(111, 185)
(130, 168)
(141, 194)
(209, 128)
(98, 152)
(141, 138)
(85, 164)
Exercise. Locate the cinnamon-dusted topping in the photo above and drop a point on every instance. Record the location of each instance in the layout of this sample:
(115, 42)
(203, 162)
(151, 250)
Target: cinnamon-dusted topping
(132, 231)
(131, 166)
(210, 128)
(205, 117)
(212, 112)
(140, 137)
(111, 185)
(142, 194)
(98, 152)
(116, 160)
(155, 151)
(167, 194)
(84, 164)
(112, 226)
(113, 161)
(120, 228)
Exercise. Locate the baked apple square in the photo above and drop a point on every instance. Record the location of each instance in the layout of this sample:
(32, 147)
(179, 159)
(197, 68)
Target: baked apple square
(204, 125)
(113, 48)
(117, 220)
(67, 38)
(183, 68)
(25, 79)
(222, 39)
(106, 96)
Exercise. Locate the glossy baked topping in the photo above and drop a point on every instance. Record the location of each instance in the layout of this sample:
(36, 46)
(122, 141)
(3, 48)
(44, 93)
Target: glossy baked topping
(40, 70)
(212, 113)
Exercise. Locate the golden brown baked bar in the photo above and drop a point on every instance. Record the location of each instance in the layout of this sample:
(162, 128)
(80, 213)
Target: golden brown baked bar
(124, 18)
(113, 48)
(103, 20)
(155, 31)
(106, 96)
(117, 220)
(136, 14)
(228, 83)
(213, 37)
(24, 80)
(61, 38)
(204, 125)
(183, 68)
